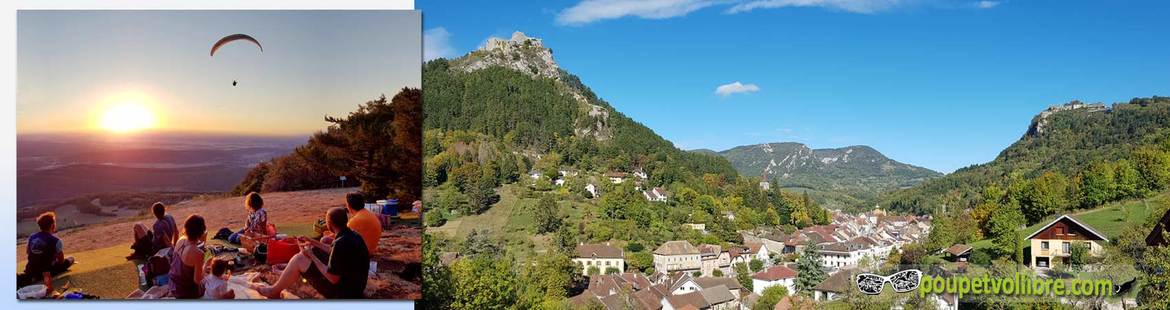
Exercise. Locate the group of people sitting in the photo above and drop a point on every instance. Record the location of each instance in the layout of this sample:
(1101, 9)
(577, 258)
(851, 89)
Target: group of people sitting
(337, 265)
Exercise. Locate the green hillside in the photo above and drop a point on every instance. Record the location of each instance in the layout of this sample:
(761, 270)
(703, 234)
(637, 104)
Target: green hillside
(1126, 142)
(1110, 220)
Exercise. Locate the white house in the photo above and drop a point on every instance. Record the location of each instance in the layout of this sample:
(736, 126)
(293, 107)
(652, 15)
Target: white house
(685, 284)
(656, 194)
(641, 175)
(1052, 244)
(615, 177)
(775, 275)
(601, 256)
(677, 255)
(841, 254)
(559, 182)
(697, 226)
(592, 189)
(750, 251)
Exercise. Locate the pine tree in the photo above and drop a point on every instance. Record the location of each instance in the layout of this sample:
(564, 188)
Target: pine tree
(566, 238)
(808, 269)
(742, 275)
(381, 142)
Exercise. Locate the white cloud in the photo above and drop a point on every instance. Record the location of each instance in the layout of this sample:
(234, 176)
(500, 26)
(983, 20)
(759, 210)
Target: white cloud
(854, 6)
(736, 88)
(588, 11)
(437, 44)
(986, 4)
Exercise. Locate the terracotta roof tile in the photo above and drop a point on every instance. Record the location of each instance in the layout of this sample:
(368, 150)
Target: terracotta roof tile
(775, 273)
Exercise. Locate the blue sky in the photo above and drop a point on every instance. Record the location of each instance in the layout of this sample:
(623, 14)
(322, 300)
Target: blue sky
(73, 66)
(940, 84)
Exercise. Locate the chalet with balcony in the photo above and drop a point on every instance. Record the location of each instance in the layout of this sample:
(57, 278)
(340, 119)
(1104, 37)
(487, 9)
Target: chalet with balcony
(1053, 243)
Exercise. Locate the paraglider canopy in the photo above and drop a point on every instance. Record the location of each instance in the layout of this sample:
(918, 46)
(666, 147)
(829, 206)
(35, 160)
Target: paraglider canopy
(233, 38)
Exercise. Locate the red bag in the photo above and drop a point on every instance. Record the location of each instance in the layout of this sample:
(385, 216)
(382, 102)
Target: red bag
(281, 251)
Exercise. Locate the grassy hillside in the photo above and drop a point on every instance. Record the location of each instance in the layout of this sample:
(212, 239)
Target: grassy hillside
(511, 221)
(1062, 140)
(1110, 220)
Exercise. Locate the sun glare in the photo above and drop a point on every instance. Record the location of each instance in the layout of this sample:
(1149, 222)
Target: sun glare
(127, 116)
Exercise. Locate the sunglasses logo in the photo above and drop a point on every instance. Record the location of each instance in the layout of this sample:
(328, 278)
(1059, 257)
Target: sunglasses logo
(902, 281)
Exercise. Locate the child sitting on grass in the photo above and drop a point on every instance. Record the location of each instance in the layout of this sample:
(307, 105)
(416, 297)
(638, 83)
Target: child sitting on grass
(215, 286)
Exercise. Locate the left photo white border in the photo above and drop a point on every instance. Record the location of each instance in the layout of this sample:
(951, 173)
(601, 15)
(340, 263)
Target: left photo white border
(8, 134)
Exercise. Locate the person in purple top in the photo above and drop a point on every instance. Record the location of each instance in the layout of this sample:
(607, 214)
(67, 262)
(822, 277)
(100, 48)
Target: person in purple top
(163, 234)
(166, 231)
(46, 255)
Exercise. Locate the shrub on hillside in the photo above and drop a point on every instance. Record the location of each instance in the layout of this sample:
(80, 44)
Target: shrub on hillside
(294, 173)
(980, 257)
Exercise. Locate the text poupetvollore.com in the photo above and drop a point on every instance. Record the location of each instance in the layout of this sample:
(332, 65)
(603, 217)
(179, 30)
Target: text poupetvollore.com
(1020, 285)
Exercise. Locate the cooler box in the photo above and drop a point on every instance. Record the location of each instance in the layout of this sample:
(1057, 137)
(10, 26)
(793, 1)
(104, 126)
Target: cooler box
(281, 251)
(390, 207)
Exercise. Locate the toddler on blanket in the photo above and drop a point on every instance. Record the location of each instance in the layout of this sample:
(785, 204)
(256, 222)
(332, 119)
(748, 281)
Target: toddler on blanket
(216, 286)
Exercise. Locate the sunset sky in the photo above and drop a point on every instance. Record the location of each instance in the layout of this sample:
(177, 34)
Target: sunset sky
(121, 71)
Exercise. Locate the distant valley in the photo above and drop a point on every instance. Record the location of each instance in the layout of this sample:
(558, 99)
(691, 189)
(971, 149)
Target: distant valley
(56, 170)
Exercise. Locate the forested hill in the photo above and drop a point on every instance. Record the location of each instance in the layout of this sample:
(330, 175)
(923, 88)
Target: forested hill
(1071, 156)
(514, 91)
(857, 171)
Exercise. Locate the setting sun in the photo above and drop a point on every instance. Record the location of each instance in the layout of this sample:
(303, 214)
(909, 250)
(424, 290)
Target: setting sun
(127, 113)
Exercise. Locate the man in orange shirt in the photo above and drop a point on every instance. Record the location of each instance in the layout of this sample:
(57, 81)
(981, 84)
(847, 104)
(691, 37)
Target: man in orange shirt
(364, 222)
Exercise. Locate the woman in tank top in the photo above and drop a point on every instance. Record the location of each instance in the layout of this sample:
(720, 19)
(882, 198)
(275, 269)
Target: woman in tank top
(187, 263)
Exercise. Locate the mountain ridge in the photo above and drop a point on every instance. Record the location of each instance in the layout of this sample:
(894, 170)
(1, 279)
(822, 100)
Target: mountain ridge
(511, 75)
(1066, 139)
(859, 172)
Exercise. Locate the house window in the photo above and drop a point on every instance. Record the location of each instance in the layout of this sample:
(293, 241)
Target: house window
(1044, 245)
(1067, 248)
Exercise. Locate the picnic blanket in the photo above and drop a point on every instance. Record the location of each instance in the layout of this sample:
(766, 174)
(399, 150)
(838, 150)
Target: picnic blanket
(240, 284)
